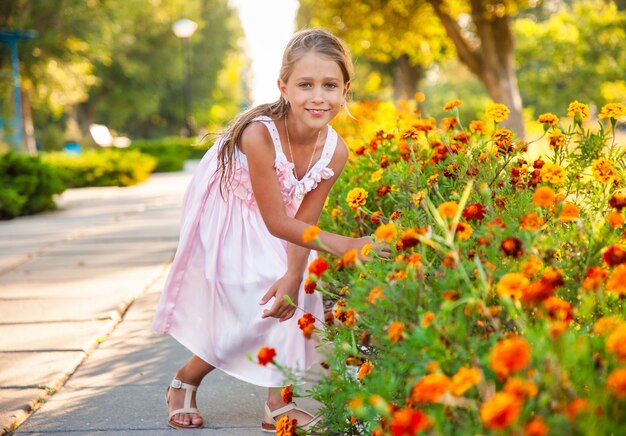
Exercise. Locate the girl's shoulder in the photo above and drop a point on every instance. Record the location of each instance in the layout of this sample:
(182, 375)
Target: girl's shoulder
(257, 135)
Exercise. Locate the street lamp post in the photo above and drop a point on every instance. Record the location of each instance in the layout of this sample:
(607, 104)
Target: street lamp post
(183, 29)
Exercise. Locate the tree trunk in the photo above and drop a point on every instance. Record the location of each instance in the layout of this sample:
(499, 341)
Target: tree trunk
(28, 127)
(492, 60)
(406, 78)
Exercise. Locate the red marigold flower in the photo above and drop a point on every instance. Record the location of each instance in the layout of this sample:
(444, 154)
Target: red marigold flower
(500, 411)
(429, 388)
(266, 355)
(474, 211)
(536, 427)
(464, 231)
(559, 309)
(575, 407)
(309, 286)
(497, 222)
(409, 238)
(408, 421)
(306, 324)
(286, 394)
(512, 247)
(359, 151)
(509, 356)
(614, 255)
(318, 267)
(618, 200)
(594, 278)
(531, 221)
(395, 215)
(376, 216)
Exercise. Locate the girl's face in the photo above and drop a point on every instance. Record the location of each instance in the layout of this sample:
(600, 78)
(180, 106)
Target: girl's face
(315, 90)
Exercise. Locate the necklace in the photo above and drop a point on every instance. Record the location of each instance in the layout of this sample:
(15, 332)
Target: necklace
(291, 152)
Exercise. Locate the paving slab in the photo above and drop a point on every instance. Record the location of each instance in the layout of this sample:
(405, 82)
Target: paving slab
(58, 336)
(15, 402)
(35, 369)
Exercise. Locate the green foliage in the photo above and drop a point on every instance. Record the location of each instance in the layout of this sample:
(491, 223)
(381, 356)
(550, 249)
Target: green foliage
(27, 185)
(103, 167)
(171, 153)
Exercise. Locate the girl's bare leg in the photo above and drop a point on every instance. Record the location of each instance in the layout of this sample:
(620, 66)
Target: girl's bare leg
(191, 373)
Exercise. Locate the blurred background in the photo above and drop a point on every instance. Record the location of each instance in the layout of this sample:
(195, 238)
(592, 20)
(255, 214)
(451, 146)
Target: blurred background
(119, 66)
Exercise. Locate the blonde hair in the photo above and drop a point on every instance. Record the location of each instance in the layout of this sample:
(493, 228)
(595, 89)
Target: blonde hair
(302, 42)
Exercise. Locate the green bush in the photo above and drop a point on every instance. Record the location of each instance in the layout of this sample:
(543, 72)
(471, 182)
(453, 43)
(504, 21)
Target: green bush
(171, 152)
(27, 185)
(103, 167)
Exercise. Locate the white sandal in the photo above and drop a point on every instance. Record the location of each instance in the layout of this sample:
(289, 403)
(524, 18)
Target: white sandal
(269, 422)
(189, 390)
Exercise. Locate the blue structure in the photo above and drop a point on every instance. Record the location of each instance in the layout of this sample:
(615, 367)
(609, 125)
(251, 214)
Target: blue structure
(10, 38)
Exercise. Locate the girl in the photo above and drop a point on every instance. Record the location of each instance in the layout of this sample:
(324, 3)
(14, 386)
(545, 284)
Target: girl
(241, 251)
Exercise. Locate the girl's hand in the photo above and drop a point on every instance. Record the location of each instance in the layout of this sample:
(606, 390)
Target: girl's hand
(381, 249)
(289, 284)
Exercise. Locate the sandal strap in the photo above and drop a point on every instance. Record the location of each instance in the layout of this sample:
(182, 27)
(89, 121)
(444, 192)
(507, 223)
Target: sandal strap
(184, 410)
(177, 384)
(312, 423)
(272, 414)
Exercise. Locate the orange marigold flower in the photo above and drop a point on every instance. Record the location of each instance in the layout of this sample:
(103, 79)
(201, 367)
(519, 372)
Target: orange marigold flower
(375, 295)
(307, 324)
(500, 411)
(464, 231)
(531, 221)
(429, 388)
(553, 276)
(569, 213)
(425, 124)
(503, 139)
(310, 234)
(556, 138)
(532, 266)
(477, 127)
(520, 388)
(452, 104)
(365, 369)
(512, 285)
(408, 421)
(395, 331)
(309, 286)
(464, 380)
(335, 213)
(614, 255)
(618, 200)
(616, 342)
(286, 394)
(512, 247)
(376, 216)
(497, 112)
(603, 171)
(474, 211)
(594, 278)
(575, 407)
(386, 232)
(612, 110)
(559, 309)
(617, 281)
(427, 319)
(376, 175)
(266, 355)
(349, 258)
(350, 318)
(536, 427)
(552, 173)
(544, 196)
(318, 266)
(616, 383)
(548, 118)
(448, 123)
(578, 109)
(286, 427)
(509, 356)
(356, 198)
(538, 290)
(448, 209)
(615, 219)
(605, 325)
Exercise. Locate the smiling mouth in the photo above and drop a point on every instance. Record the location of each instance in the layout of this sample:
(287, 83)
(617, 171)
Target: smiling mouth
(317, 110)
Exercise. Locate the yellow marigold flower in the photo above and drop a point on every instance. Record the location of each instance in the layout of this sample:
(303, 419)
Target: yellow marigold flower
(463, 380)
(464, 231)
(395, 331)
(513, 285)
(477, 127)
(553, 173)
(418, 197)
(452, 104)
(548, 118)
(556, 138)
(615, 219)
(544, 196)
(386, 232)
(356, 198)
(429, 388)
(500, 411)
(310, 234)
(616, 383)
(617, 280)
(509, 356)
(497, 112)
(612, 110)
(616, 342)
(604, 171)
(419, 96)
(365, 250)
(448, 209)
(569, 213)
(578, 109)
(376, 175)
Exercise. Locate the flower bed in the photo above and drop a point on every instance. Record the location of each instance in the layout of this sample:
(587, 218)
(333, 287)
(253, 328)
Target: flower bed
(502, 307)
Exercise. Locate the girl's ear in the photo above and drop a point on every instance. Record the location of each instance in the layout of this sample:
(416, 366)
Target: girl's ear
(346, 87)
(282, 87)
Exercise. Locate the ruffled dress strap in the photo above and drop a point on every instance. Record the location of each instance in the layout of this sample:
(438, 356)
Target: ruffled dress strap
(271, 127)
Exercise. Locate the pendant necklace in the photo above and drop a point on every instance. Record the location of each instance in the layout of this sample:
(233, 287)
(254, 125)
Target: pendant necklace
(291, 152)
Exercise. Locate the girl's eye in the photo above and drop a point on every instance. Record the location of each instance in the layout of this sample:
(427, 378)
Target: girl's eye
(331, 85)
(304, 85)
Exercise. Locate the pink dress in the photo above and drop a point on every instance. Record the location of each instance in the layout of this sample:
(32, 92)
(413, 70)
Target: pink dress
(227, 260)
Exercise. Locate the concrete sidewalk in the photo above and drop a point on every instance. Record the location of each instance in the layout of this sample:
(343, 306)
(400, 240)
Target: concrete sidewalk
(78, 288)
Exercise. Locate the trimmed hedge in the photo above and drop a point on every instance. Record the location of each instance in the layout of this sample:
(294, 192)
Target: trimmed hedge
(27, 185)
(103, 167)
(171, 152)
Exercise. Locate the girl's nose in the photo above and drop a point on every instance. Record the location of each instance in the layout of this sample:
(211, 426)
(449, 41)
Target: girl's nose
(318, 94)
